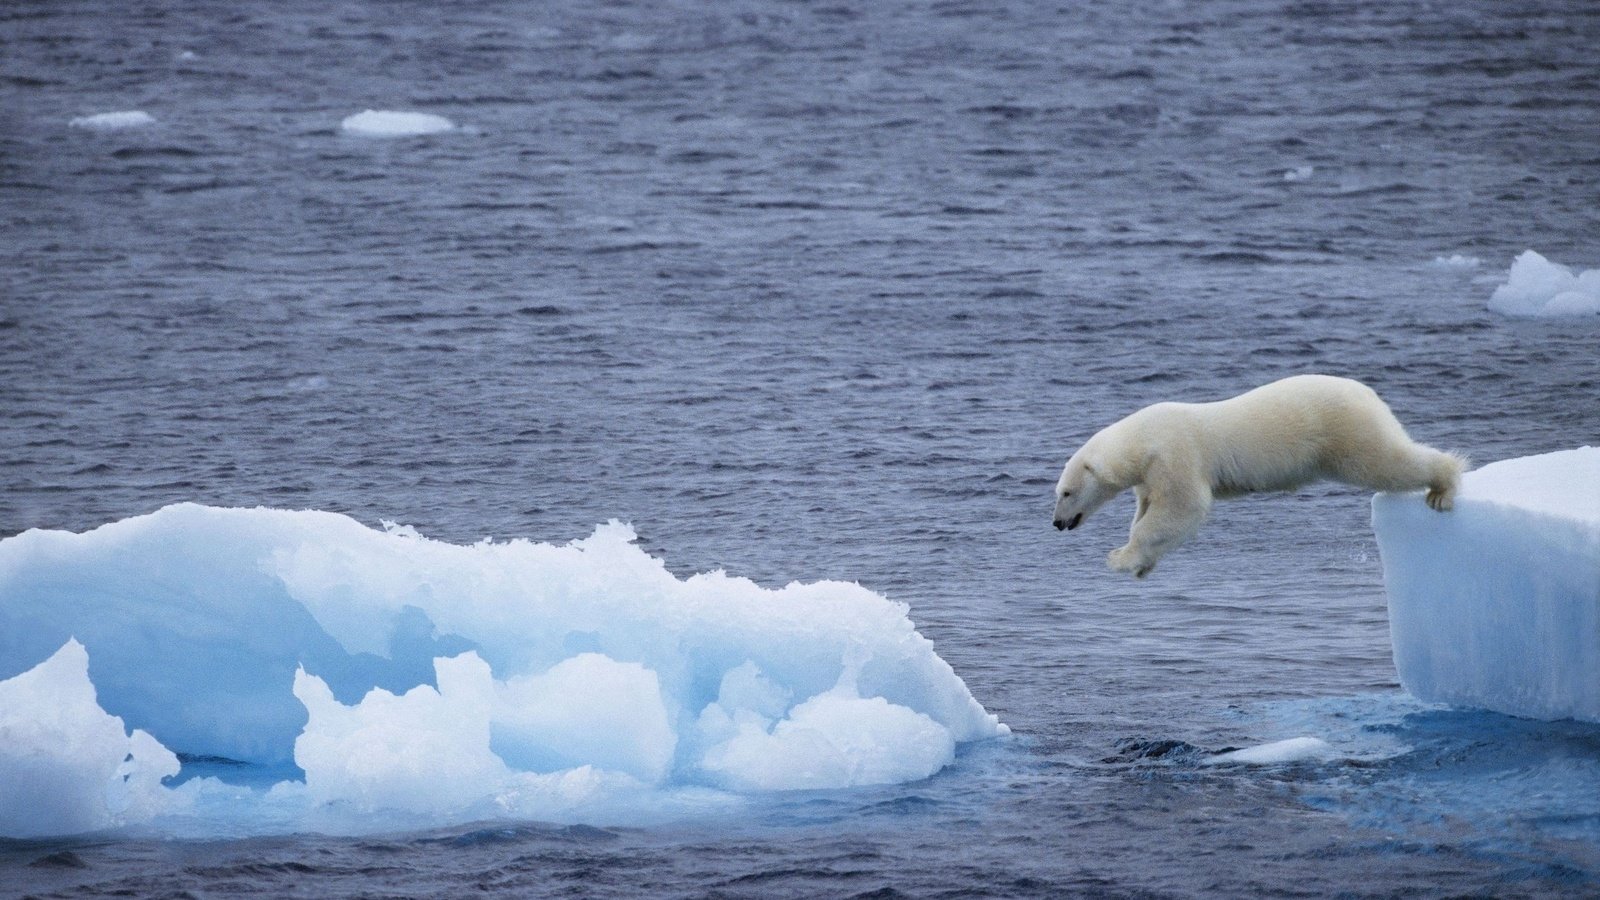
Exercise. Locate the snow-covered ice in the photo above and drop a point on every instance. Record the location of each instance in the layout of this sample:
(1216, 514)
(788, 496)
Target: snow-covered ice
(447, 682)
(112, 121)
(1535, 286)
(1496, 604)
(389, 123)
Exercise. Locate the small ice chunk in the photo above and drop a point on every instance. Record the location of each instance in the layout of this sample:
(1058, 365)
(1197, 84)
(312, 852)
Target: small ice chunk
(587, 710)
(833, 740)
(1299, 173)
(426, 750)
(1496, 604)
(113, 121)
(1277, 753)
(1455, 261)
(387, 123)
(1535, 286)
(66, 765)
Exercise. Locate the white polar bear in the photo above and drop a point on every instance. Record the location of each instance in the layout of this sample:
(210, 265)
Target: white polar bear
(1177, 457)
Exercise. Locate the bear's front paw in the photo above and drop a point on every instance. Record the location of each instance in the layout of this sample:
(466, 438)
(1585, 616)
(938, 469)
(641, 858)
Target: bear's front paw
(1441, 500)
(1127, 559)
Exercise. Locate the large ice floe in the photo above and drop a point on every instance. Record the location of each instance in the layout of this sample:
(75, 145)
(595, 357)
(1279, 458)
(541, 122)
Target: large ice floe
(417, 682)
(1535, 286)
(1496, 604)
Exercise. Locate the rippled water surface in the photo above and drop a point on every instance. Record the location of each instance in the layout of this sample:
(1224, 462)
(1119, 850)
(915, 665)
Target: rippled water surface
(831, 291)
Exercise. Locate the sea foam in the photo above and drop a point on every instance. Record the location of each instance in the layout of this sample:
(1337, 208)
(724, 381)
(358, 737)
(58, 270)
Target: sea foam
(402, 675)
(1455, 261)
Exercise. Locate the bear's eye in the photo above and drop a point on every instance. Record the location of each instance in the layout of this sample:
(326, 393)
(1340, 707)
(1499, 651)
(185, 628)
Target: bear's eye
(1066, 493)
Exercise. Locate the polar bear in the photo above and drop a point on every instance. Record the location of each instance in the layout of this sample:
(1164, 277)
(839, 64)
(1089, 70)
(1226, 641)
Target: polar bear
(1178, 457)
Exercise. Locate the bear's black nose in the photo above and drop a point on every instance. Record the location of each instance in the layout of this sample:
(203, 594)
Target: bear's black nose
(1060, 525)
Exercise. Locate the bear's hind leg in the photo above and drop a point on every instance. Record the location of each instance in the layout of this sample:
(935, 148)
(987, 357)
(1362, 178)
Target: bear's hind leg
(1399, 464)
(1446, 477)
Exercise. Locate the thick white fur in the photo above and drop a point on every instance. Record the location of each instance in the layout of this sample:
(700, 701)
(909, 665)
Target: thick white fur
(1178, 457)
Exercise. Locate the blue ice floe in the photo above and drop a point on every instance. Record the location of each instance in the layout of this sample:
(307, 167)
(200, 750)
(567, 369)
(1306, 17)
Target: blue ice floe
(436, 682)
(1496, 604)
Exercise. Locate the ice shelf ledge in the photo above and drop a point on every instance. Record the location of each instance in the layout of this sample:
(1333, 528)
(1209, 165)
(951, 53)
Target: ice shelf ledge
(1496, 604)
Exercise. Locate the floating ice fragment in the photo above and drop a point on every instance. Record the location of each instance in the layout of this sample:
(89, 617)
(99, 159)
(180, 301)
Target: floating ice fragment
(1277, 753)
(387, 123)
(1535, 286)
(1455, 261)
(112, 121)
(407, 676)
(1299, 173)
(1496, 604)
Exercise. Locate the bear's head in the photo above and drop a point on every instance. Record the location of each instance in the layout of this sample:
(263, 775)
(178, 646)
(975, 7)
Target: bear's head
(1083, 488)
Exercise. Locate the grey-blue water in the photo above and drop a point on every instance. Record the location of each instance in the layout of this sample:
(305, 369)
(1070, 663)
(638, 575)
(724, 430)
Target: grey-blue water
(831, 290)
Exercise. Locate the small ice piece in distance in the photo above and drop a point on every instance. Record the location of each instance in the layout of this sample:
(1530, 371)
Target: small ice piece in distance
(1535, 286)
(113, 121)
(388, 123)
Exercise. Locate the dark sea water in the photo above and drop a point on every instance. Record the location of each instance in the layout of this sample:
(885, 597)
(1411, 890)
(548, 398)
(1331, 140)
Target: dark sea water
(831, 290)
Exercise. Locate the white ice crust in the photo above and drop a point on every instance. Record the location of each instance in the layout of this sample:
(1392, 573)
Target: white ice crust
(1496, 604)
(447, 682)
(112, 121)
(1535, 286)
(390, 123)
